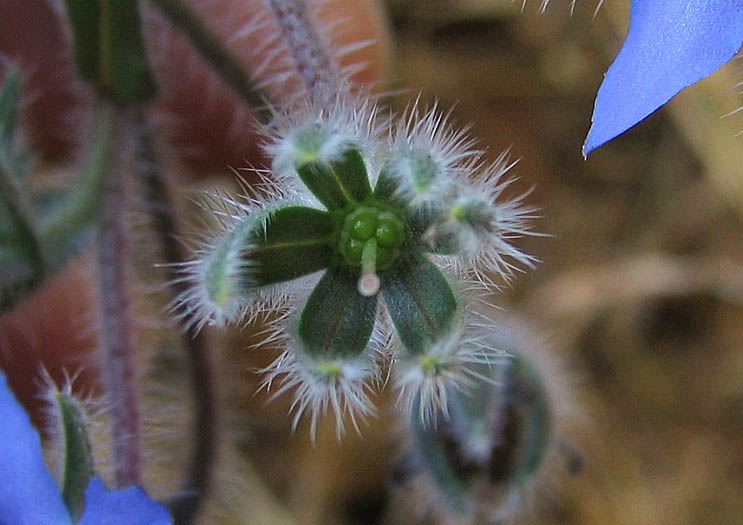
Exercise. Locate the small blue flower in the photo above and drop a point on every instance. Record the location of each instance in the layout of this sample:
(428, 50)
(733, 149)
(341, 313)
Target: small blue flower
(671, 44)
(30, 496)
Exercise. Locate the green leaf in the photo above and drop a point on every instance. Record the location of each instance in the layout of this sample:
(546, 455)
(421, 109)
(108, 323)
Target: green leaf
(337, 320)
(109, 49)
(414, 170)
(476, 403)
(337, 184)
(477, 413)
(420, 300)
(78, 454)
(292, 242)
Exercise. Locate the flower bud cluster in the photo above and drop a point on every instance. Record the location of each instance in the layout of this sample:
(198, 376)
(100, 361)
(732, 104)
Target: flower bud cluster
(491, 447)
(373, 226)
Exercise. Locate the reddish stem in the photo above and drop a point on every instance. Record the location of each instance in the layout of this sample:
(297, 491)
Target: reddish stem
(317, 68)
(116, 341)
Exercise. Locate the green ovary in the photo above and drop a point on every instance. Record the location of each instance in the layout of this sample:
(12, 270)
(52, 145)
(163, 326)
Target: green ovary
(366, 223)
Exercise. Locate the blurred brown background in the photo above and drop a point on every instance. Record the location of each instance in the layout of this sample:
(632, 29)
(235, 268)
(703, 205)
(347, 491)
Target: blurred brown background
(640, 289)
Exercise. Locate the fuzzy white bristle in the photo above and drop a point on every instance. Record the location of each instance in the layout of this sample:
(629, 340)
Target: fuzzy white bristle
(322, 384)
(91, 409)
(453, 362)
(322, 133)
(218, 276)
(216, 294)
(488, 249)
(431, 140)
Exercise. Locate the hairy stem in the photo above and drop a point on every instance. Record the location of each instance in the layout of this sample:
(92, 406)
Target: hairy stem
(186, 507)
(317, 68)
(219, 57)
(116, 341)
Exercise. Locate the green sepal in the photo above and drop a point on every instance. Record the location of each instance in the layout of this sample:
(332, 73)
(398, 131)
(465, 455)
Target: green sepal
(78, 454)
(476, 402)
(289, 243)
(420, 301)
(442, 242)
(420, 173)
(338, 183)
(428, 222)
(527, 402)
(109, 49)
(224, 273)
(432, 450)
(386, 187)
(337, 321)
(476, 412)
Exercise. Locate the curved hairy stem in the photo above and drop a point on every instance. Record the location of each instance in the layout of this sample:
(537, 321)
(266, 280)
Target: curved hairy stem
(317, 68)
(185, 508)
(116, 338)
(216, 54)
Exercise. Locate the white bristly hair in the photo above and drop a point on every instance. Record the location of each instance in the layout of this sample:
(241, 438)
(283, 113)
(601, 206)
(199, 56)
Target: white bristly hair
(218, 278)
(340, 384)
(428, 139)
(425, 381)
(323, 133)
(487, 248)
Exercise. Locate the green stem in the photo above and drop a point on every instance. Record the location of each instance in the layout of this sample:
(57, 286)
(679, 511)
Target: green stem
(219, 57)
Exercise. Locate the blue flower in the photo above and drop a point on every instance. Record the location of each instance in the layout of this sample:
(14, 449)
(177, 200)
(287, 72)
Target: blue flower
(671, 44)
(30, 496)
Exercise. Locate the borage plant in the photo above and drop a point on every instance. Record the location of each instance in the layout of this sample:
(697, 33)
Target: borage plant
(417, 218)
(368, 237)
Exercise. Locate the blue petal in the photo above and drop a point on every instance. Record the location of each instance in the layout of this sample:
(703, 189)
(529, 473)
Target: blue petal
(670, 45)
(129, 506)
(28, 493)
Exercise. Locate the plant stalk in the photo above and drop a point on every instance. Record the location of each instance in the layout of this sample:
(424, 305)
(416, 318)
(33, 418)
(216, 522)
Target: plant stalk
(116, 340)
(317, 68)
(186, 507)
(216, 54)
